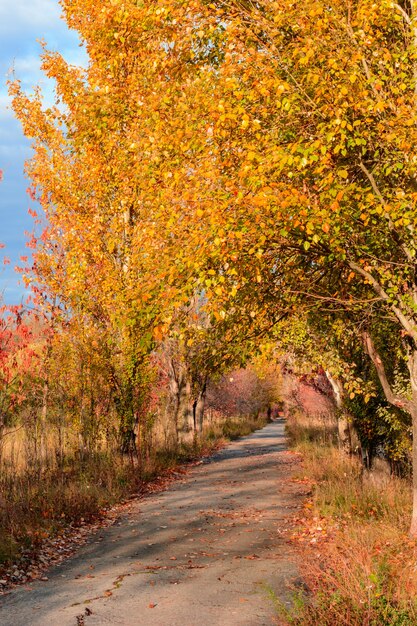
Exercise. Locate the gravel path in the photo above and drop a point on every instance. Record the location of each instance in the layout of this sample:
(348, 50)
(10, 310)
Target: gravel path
(203, 553)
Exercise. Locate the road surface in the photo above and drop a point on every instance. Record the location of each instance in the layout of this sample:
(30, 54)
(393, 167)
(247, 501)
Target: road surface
(208, 551)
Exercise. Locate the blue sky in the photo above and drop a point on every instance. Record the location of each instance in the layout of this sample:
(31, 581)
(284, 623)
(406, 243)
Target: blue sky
(22, 23)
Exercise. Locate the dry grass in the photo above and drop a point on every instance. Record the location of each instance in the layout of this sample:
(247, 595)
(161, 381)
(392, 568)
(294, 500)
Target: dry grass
(344, 490)
(365, 573)
(233, 428)
(36, 503)
(42, 492)
(320, 428)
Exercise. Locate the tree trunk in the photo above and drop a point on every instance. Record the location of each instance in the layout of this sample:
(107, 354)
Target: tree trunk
(413, 527)
(346, 433)
(42, 422)
(173, 405)
(128, 422)
(412, 366)
(404, 403)
(180, 391)
(187, 409)
(198, 408)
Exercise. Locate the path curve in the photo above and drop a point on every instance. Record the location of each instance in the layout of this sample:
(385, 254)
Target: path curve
(203, 553)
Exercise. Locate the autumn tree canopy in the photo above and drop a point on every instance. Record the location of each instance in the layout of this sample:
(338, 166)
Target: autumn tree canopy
(258, 156)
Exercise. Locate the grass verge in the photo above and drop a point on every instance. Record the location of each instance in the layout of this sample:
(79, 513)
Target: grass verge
(39, 502)
(359, 565)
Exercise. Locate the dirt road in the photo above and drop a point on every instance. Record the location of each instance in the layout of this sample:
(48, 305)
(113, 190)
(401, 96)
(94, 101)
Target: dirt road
(206, 552)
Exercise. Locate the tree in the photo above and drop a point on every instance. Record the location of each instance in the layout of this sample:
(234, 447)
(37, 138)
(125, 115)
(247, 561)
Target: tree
(259, 154)
(102, 171)
(330, 179)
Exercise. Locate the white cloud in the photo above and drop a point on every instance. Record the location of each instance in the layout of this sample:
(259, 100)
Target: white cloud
(27, 65)
(21, 15)
(22, 22)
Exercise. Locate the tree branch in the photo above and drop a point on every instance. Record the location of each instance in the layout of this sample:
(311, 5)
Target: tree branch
(364, 62)
(395, 400)
(413, 27)
(406, 323)
(405, 15)
(384, 203)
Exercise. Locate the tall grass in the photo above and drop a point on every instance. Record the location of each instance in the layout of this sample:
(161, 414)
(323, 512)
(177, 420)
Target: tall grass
(43, 490)
(365, 573)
